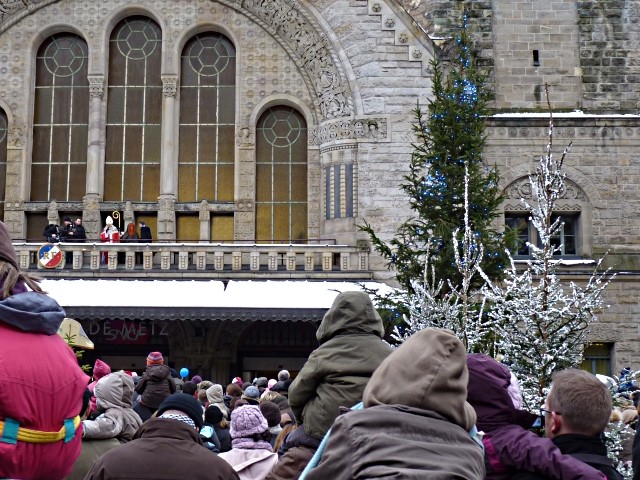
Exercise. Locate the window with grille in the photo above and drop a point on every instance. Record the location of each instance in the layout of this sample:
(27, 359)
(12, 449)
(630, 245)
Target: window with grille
(60, 120)
(134, 111)
(207, 119)
(597, 358)
(565, 240)
(281, 176)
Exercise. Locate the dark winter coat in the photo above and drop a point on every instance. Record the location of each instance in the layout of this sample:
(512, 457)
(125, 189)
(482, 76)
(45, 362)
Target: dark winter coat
(416, 421)
(162, 449)
(579, 445)
(509, 446)
(224, 435)
(351, 348)
(155, 385)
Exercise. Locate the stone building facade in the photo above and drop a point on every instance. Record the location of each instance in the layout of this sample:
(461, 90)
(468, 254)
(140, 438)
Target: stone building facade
(300, 114)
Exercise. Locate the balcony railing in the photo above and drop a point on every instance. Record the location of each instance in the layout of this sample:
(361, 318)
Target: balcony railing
(193, 259)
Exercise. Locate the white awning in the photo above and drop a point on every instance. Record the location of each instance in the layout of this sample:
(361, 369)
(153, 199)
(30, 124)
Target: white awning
(270, 294)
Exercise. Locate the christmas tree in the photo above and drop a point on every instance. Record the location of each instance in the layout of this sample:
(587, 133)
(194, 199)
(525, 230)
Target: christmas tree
(541, 324)
(449, 137)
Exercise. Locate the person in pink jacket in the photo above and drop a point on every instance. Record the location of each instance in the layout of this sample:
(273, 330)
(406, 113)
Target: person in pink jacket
(41, 384)
(100, 369)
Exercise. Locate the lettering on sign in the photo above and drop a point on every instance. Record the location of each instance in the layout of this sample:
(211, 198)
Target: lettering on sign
(127, 331)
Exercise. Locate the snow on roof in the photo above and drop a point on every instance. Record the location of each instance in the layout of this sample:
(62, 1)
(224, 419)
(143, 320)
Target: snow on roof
(574, 114)
(199, 293)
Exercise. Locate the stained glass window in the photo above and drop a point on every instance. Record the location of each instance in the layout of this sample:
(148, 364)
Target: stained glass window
(60, 121)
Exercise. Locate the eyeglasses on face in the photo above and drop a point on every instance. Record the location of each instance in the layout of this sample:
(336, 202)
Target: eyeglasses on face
(544, 411)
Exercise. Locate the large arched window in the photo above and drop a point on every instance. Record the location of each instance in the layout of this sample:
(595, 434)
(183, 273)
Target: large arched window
(207, 119)
(4, 133)
(281, 176)
(61, 113)
(134, 111)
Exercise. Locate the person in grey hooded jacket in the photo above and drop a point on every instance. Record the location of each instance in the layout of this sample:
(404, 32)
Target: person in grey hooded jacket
(118, 420)
(334, 376)
(416, 422)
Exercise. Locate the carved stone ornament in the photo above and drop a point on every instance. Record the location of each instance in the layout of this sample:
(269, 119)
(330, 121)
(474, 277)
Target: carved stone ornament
(376, 8)
(389, 23)
(245, 135)
(313, 51)
(9, 8)
(96, 86)
(17, 136)
(403, 38)
(169, 85)
(367, 129)
(521, 188)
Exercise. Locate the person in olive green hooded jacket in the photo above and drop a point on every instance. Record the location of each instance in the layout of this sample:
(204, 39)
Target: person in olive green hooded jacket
(334, 376)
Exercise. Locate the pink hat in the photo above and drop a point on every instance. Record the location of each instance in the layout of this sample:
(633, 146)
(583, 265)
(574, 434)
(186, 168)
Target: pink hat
(155, 358)
(237, 381)
(100, 369)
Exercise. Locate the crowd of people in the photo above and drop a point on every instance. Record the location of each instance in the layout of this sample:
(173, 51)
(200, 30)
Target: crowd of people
(357, 409)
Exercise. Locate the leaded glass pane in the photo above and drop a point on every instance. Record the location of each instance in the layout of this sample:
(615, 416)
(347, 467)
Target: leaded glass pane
(207, 119)
(61, 112)
(134, 111)
(281, 176)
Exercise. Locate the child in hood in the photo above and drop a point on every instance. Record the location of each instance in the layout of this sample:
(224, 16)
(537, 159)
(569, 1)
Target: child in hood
(155, 385)
(100, 369)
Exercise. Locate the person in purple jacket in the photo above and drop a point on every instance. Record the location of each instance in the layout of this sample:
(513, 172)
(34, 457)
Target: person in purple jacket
(509, 446)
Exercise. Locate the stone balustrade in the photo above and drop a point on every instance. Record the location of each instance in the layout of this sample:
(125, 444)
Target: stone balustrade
(198, 259)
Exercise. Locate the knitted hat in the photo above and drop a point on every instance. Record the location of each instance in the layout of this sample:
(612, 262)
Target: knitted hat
(100, 369)
(272, 382)
(262, 382)
(247, 421)
(251, 394)
(196, 379)
(271, 413)
(7, 252)
(283, 375)
(213, 415)
(237, 380)
(155, 358)
(183, 403)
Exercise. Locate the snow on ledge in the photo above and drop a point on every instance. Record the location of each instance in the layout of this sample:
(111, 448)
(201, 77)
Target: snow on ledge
(285, 294)
(574, 114)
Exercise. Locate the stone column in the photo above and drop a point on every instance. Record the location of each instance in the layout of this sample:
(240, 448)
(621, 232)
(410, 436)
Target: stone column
(168, 162)
(95, 135)
(17, 179)
(244, 222)
(95, 158)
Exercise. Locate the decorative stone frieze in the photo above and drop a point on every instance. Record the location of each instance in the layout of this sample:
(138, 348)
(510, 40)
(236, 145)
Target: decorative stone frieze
(170, 85)
(359, 129)
(96, 86)
(244, 205)
(312, 48)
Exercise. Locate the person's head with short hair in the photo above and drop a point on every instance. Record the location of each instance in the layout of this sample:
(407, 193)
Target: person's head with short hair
(283, 375)
(67, 220)
(78, 221)
(189, 388)
(269, 396)
(271, 412)
(577, 403)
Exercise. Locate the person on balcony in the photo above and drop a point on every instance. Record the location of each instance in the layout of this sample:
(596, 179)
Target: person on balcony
(110, 234)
